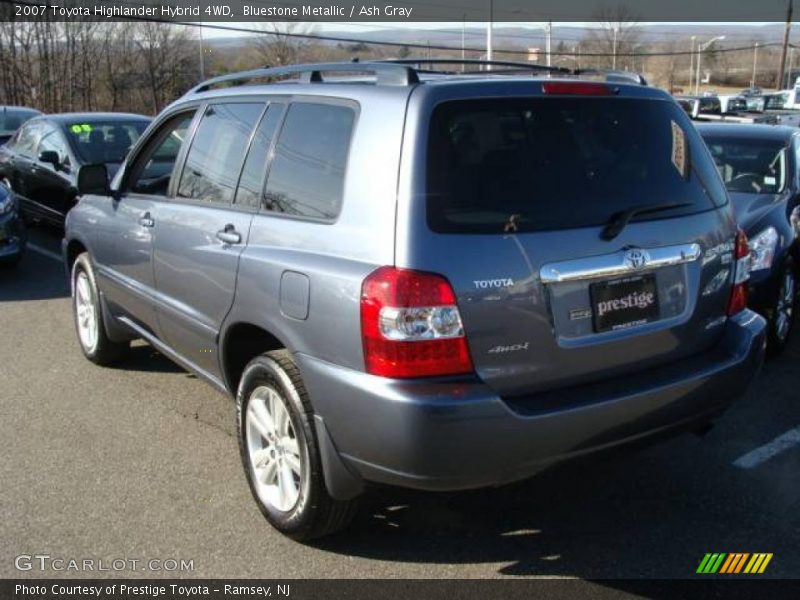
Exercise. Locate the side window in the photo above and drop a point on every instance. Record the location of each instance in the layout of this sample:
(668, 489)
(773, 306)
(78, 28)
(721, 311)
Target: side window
(255, 165)
(307, 173)
(53, 141)
(215, 158)
(152, 170)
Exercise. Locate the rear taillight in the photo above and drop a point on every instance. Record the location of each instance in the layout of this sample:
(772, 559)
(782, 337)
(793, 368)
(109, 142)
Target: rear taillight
(577, 88)
(411, 326)
(741, 274)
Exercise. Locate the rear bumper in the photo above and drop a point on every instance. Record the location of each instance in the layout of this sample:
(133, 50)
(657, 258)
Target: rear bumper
(12, 238)
(449, 434)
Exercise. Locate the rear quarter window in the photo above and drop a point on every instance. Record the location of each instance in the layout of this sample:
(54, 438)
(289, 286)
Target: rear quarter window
(562, 163)
(306, 177)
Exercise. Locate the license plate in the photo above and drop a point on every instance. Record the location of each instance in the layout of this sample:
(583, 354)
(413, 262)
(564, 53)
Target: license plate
(623, 303)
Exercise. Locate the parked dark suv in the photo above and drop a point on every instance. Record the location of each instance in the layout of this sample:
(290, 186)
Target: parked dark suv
(432, 280)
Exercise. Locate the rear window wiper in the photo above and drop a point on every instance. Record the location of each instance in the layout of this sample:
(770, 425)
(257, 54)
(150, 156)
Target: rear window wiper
(621, 219)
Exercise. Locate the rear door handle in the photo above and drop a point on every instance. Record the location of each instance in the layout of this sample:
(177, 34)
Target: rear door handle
(229, 235)
(146, 220)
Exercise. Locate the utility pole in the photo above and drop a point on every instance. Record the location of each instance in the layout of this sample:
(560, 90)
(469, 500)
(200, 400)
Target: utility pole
(755, 63)
(202, 58)
(614, 58)
(463, 33)
(691, 65)
(489, 34)
(548, 40)
(787, 30)
(700, 49)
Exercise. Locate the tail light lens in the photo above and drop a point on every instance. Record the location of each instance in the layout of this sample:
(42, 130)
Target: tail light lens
(577, 88)
(411, 325)
(741, 274)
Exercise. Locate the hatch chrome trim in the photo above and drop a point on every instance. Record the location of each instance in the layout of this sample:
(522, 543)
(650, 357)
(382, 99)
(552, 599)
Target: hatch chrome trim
(618, 263)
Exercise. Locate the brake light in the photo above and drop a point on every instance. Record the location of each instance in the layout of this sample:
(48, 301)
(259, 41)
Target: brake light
(741, 275)
(577, 88)
(411, 325)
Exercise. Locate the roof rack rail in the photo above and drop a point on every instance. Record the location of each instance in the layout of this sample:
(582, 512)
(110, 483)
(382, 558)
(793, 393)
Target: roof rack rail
(614, 75)
(385, 74)
(514, 66)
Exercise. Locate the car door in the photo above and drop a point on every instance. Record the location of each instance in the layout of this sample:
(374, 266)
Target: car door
(50, 186)
(200, 233)
(124, 225)
(19, 165)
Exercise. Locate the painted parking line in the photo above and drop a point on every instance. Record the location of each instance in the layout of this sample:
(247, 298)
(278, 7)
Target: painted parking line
(44, 252)
(763, 453)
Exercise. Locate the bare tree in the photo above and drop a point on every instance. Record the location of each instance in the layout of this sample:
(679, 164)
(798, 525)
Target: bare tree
(279, 46)
(165, 61)
(615, 37)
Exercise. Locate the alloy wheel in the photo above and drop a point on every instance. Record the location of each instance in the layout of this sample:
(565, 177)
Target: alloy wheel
(784, 310)
(273, 450)
(85, 313)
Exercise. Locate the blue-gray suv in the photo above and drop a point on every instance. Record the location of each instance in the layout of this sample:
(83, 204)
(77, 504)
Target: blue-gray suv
(418, 277)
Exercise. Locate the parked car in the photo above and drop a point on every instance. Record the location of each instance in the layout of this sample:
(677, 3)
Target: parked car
(12, 231)
(729, 110)
(751, 92)
(760, 168)
(12, 118)
(754, 96)
(733, 104)
(40, 163)
(429, 280)
(696, 105)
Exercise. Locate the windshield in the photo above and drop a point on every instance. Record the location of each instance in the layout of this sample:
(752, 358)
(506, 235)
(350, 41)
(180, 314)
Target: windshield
(559, 163)
(750, 166)
(12, 118)
(104, 141)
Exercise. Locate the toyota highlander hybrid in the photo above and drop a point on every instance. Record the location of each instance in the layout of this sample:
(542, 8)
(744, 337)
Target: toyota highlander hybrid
(427, 279)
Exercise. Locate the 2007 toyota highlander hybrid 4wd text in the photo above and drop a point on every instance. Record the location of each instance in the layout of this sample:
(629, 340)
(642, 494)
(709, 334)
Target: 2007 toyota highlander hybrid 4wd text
(420, 278)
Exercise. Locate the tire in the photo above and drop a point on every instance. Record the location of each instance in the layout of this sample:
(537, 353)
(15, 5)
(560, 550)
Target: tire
(782, 312)
(280, 452)
(10, 264)
(88, 316)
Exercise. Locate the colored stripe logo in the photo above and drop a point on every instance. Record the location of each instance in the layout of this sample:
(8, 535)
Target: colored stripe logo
(734, 563)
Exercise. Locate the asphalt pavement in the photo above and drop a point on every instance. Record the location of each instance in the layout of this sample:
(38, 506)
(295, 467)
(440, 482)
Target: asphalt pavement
(140, 462)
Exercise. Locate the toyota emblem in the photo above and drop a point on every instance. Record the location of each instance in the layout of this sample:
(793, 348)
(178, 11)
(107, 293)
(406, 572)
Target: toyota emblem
(637, 258)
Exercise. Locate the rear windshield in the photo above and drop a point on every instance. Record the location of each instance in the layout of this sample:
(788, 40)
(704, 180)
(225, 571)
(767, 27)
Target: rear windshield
(562, 163)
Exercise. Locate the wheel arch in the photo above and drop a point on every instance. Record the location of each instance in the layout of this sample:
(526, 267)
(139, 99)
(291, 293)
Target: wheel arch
(241, 342)
(72, 249)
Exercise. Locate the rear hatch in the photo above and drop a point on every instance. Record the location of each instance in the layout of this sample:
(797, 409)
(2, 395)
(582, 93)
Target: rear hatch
(530, 209)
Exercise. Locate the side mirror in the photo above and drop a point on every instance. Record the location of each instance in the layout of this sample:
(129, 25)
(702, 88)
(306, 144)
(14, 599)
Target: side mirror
(50, 157)
(93, 179)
